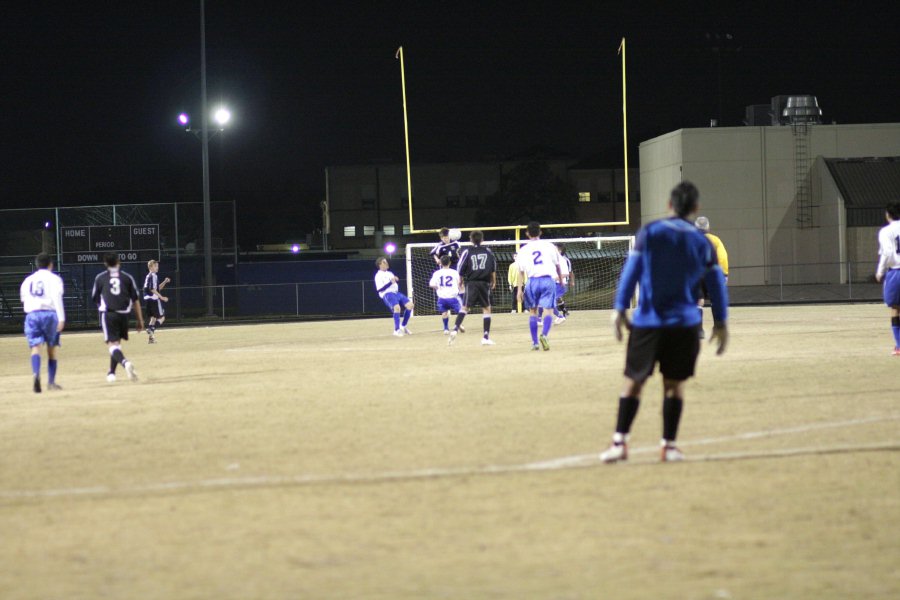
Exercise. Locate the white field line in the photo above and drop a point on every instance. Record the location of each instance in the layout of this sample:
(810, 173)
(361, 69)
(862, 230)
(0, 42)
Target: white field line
(567, 462)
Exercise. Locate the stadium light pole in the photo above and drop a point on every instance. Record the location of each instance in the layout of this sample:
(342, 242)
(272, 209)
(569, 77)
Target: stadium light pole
(204, 141)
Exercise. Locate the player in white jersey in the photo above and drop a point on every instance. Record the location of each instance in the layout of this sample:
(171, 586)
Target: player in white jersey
(445, 281)
(562, 286)
(45, 317)
(539, 261)
(389, 291)
(888, 269)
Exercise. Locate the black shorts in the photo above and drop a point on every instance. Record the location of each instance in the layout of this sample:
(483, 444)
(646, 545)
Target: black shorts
(114, 325)
(674, 348)
(155, 308)
(478, 293)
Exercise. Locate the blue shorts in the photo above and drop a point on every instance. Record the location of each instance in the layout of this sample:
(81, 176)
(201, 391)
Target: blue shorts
(40, 328)
(392, 299)
(561, 290)
(540, 292)
(445, 304)
(892, 287)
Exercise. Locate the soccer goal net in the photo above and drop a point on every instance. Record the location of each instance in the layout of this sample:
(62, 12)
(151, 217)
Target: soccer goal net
(596, 264)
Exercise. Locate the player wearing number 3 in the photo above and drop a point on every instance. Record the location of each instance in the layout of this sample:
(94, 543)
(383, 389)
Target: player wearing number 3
(539, 261)
(888, 269)
(115, 293)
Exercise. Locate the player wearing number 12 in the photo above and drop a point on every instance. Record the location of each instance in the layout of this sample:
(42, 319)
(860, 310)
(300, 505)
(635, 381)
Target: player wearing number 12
(445, 282)
(115, 293)
(539, 261)
(478, 269)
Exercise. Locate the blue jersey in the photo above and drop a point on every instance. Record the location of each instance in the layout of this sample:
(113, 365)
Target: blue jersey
(670, 259)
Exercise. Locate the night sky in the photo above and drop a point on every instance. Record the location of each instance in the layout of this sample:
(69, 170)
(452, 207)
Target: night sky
(91, 90)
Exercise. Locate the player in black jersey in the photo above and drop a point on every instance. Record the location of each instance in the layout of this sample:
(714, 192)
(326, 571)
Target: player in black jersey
(153, 287)
(478, 271)
(446, 247)
(115, 293)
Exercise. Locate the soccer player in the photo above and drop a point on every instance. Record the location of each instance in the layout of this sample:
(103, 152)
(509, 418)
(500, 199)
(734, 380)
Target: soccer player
(539, 261)
(888, 269)
(669, 259)
(45, 317)
(568, 279)
(445, 281)
(446, 247)
(154, 299)
(386, 284)
(512, 278)
(115, 293)
(478, 270)
(721, 254)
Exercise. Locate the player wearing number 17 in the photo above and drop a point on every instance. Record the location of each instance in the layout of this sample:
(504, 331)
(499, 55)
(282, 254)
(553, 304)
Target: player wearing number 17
(478, 269)
(539, 261)
(670, 259)
(115, 293)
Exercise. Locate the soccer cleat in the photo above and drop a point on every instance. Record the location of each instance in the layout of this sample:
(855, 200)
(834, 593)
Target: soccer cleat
(406, 331)
(446, 332)
(129, 368)
(545, 343)
(669, 453)
(54, 386)
(615, 453)
(37, 384)
(896, 352)
(462, 329)
(559, 320)
(452, 338)
(487, 342)
(536, 347)
(398, 333)
(110, 378)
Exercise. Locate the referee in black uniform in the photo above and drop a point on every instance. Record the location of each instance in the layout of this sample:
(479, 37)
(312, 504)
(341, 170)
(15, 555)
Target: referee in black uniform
(115, 293)
(478, 271)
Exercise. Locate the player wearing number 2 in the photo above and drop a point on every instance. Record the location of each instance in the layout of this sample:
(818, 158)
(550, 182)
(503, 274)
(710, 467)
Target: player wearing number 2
(45, 317)
(115, 293)
(539, 261)
(445, 282)
(478, 269)
(888, 269)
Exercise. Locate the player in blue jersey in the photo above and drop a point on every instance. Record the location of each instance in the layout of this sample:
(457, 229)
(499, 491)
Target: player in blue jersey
(389, 291)
(670, 259)
(888, 270)
(539, 261)
(445, 283)
(42, 300)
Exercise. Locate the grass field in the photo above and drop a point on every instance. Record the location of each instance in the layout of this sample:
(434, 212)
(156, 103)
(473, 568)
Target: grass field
(332, 460)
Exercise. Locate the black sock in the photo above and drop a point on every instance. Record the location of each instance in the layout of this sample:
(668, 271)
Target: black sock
(118, 356)
(671, 417)
(487, 326)
(459, 319)
(895, 321)
(628, 408)
(113, 363)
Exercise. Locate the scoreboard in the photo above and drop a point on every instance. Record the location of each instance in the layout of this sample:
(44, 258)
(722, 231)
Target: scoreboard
(89, 243)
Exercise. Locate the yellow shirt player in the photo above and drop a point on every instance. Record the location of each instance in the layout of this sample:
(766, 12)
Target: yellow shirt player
(512, 277)
(702, 223)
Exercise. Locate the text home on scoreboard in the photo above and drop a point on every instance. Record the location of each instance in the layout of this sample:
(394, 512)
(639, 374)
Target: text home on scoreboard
(89, 243)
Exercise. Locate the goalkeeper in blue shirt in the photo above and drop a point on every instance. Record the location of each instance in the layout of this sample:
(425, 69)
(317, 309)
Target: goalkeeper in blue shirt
(671, 257)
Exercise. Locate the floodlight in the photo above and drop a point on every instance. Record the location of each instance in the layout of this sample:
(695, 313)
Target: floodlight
(390, 247)
(222, 116)
(295, 248)
(183, 119)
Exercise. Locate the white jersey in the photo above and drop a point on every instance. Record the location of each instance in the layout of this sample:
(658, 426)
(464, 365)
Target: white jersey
(565, 267)
(446, 282)
(43, 290)
(385, 284)
(889, 247)
(538, 259)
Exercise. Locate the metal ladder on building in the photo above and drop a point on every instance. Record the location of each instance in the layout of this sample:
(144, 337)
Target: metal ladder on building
(801, 176)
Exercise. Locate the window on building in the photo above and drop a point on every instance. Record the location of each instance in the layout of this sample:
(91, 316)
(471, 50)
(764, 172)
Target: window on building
(368, 203)
(452, 201)
(368, 230)
(389, 230)
(603, 197)
(406, 230)
(584, 196)
(349, 230)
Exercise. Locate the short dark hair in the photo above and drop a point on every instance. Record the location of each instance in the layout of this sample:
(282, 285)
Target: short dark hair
(562, 249)
(445, 231)
(379, 260)
(43, 260)
(685, 198)
(446, 260)
(534, 229)
(893, 209)
(476, 237)
(111, 259)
